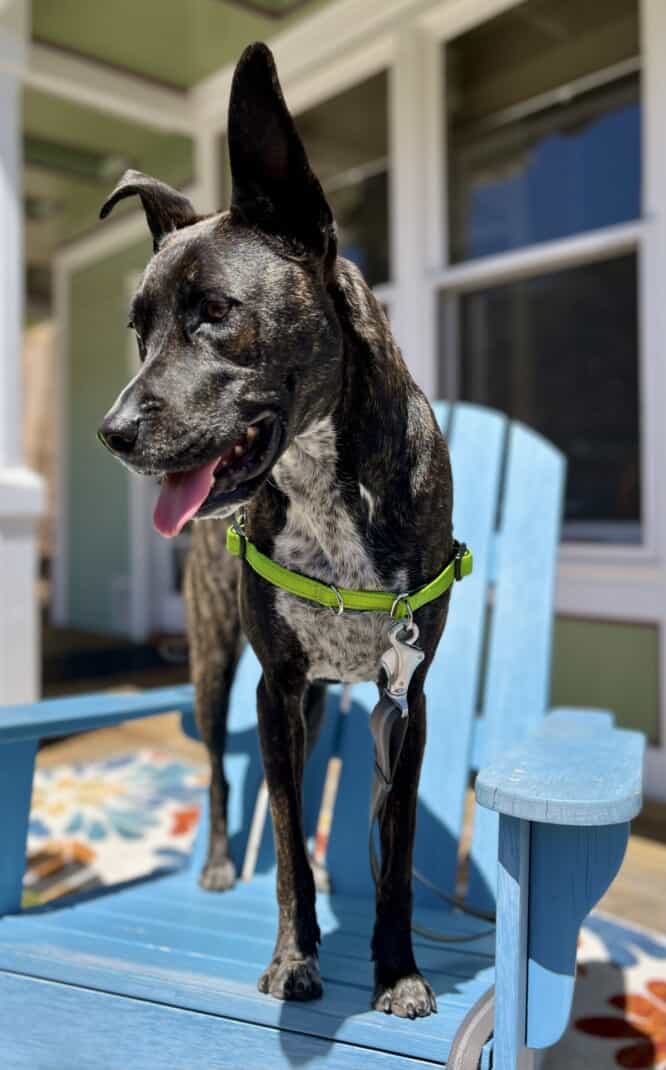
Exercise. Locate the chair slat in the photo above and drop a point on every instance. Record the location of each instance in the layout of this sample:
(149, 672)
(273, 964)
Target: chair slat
(135, 1034)
(518, 671)
(476, 441)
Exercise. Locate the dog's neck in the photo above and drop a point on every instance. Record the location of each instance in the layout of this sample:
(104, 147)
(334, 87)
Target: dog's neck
(324, 530)
(340, 476)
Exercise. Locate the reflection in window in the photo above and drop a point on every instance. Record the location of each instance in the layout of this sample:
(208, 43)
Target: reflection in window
(563, 172)
(559, 352)
(543, 117)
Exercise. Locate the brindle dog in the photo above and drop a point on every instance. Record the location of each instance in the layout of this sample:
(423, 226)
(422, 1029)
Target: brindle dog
(271, 380)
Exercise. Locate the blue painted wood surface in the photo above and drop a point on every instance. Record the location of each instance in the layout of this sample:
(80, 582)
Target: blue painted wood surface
(477, 439)
(169, 942)
(196, 956)
(37, 1019)
(576, 769)
(17, 763)
(511, 966)
(520, 638)
(570, 869)
(81, 713)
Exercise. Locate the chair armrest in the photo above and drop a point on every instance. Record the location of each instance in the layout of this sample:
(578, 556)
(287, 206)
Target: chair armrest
(63, 716)
(575, 769)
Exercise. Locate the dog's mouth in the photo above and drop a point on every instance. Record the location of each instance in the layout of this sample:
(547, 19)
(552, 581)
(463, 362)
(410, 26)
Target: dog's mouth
(232, 476)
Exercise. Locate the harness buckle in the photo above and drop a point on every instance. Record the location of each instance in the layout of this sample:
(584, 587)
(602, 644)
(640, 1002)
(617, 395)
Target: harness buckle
(460, 551)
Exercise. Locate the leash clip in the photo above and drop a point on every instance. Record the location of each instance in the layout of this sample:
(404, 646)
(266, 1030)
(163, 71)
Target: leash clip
(400, 662)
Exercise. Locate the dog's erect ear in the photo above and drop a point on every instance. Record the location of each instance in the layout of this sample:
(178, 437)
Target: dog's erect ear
(166, 209)
(274, 188)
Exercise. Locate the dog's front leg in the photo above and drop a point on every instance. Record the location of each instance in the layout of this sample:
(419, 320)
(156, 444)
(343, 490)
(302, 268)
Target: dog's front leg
(294, 970)
(399, 986)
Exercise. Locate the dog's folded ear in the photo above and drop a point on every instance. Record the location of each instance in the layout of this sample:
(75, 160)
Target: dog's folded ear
(166, 209)
(274, 187)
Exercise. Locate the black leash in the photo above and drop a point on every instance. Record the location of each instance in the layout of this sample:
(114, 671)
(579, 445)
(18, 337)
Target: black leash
(388, 724)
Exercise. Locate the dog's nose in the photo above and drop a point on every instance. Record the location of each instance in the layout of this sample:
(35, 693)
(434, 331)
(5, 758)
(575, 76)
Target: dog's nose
(117, 435)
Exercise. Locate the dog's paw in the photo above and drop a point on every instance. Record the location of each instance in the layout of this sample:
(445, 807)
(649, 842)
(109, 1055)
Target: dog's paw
(410, 997)
(288, 978)
(218, 875)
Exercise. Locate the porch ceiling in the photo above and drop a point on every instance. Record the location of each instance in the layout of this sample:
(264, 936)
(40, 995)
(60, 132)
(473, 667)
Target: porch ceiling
(175, 42)
(73, 152)
(73, 156)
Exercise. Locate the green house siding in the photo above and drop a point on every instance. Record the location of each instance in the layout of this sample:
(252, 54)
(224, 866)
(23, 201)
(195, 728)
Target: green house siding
(98, 543)
(609, 665)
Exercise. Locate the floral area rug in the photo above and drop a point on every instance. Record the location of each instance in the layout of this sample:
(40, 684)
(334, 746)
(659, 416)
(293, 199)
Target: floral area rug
(619, 1012)
(123, 817)
(108, 821)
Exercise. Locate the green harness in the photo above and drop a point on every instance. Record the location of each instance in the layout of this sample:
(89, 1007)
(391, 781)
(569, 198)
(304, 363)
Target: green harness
(341, 598)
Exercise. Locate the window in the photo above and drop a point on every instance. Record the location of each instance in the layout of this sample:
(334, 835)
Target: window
(543, 129)
(346, 139)
(558, 351)
(557, 172)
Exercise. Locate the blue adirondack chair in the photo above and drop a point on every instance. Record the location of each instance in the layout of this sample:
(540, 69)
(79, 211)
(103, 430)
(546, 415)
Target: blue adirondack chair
(160, 974)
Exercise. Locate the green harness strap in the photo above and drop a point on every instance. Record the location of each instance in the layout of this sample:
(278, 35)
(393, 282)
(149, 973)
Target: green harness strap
(340, 598)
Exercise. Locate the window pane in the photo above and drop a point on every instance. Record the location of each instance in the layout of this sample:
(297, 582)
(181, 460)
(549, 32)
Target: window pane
(559, 352)
(534, 153)
(346, 138)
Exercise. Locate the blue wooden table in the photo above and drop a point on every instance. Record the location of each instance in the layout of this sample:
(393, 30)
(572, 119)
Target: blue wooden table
(160, 974)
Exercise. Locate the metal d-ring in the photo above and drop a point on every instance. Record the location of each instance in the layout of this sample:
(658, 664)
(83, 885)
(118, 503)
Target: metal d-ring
(404, 597)
(341, 606)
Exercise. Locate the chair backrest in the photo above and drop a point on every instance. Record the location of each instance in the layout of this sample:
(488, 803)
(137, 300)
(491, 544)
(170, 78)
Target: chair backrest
(488, 684)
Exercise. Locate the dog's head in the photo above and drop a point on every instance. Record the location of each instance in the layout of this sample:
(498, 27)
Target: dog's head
(237, 333)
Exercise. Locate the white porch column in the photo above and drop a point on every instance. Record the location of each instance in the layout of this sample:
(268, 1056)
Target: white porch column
(411, 313)
(21, 491)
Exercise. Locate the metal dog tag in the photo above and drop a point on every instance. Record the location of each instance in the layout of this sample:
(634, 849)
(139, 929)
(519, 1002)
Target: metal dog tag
(400, 662)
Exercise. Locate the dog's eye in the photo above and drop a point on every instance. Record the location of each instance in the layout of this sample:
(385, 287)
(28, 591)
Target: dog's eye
(215, 311)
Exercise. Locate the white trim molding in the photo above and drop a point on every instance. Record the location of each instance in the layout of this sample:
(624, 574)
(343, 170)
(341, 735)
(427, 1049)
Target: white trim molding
(543, 257)
(96, 85)
(21, 491)
(326, 41)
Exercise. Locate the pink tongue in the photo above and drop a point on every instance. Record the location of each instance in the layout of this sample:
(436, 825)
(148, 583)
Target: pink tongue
(182, 494)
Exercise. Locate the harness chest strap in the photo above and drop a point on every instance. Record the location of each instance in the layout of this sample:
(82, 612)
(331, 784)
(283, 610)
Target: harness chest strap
(342, 598)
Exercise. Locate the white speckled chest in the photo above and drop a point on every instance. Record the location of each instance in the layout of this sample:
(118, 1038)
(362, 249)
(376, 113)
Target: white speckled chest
(320, 539)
